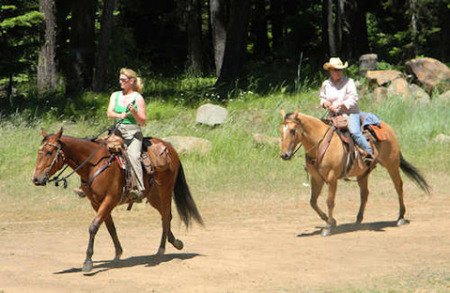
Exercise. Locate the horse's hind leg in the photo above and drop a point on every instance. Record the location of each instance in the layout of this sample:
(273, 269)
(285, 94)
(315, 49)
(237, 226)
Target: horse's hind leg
(112, 231)
(161, 199)
(394, 172)
(364, 194)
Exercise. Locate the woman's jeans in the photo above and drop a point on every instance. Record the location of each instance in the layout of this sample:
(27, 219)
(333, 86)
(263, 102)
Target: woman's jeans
(133, 137)
(354, 127)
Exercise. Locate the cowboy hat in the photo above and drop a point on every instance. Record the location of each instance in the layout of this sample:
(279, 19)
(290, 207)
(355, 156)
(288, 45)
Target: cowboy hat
(336, 63)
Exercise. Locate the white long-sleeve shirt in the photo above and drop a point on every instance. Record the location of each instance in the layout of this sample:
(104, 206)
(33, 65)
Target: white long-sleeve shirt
(342, 93)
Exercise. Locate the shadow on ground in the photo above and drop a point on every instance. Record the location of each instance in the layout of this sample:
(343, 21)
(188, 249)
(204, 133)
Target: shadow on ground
(353, 227)
(147, 260)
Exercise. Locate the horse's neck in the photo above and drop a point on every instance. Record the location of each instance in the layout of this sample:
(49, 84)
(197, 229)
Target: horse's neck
(313, 130)
(77, 150)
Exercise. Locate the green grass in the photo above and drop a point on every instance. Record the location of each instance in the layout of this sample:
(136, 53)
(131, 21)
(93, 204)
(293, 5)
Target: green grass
(234, 165)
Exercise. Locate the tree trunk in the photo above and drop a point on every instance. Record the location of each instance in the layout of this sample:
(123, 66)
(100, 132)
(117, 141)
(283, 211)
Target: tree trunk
(355, 38)
(194, 32)
(236, 42)
(218, 12)
(328, 28)
(82, 45)
(340, 18)
(104, 41)
(46, 71)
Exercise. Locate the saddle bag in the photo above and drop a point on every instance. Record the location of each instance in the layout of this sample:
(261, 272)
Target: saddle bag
(114, 143)
(156, 157)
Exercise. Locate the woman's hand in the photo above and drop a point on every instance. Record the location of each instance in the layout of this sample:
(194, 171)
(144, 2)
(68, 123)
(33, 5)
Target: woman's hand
(130, 108)
(326, 104)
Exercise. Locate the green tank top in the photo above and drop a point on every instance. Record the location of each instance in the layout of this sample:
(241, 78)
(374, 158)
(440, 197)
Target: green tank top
(120, 109)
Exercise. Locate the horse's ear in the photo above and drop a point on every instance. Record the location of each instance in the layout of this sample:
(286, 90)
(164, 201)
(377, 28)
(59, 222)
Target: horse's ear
(283, 114)
(59, 133)
(44, 133)
(296, 112)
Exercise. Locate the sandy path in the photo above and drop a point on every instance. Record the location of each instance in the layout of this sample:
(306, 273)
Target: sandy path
(269, 247)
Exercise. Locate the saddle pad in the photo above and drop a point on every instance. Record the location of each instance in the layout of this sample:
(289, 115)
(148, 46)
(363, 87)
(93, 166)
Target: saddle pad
(380, 133)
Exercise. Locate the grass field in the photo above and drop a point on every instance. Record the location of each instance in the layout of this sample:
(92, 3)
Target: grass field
(236, 171)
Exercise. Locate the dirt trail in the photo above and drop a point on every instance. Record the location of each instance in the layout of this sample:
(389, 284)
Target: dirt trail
(271, 247)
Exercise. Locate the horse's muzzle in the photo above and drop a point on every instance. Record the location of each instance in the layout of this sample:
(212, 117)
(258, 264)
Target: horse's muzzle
(39, 181)
(286, 156)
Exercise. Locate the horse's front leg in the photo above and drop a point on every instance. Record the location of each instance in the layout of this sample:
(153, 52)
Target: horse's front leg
(331, 222)
(316, 188)
(103, 212)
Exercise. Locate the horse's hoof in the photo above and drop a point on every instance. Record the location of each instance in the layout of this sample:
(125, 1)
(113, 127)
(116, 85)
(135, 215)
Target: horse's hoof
(87, 266)
(402, 222)
(332, 224)
(161, 251)
(326, 232)
(178, 244)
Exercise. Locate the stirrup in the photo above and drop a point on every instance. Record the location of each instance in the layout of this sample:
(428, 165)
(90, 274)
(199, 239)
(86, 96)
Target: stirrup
(369, 159)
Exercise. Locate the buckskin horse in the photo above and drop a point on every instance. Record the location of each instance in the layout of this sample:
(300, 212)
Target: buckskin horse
(92, 162)
(328, 166)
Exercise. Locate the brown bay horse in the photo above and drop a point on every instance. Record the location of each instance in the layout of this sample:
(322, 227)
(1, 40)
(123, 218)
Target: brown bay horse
(298, 130)
(91, 161)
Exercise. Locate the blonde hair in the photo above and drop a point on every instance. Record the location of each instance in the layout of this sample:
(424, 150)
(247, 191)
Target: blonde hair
(138, 85)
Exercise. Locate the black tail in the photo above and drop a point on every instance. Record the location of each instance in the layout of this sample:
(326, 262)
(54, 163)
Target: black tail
(414, 174)
(183, 199)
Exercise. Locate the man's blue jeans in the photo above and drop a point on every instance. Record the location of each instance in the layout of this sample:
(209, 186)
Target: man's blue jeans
(354, 127)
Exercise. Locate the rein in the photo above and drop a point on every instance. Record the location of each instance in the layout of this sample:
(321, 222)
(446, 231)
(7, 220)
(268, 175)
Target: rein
(56, 178)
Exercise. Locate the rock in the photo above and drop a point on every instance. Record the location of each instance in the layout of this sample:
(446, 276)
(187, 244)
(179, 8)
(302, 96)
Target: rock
(399, 87)
(419, 94)
(262, 139)
(382, 77)
(445, 97)
(379, 94)
(430, 73)
(211, 114)
(367, 62)
(189, 144)
(442, 138)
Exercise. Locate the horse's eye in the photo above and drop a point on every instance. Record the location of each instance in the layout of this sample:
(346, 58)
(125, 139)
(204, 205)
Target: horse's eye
(292, 131)
(49, 153)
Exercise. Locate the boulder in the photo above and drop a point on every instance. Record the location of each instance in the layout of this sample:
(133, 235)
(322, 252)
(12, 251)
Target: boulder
(367, 62)
(211, 114)
(262, 139)
(399, 87)
(379, 94)
(444, 97)
(419, 94)
(430, 73)
(442, 138)
(382, 77)
(189, 144)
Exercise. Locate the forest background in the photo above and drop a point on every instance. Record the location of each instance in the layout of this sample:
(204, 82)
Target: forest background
(57, 54)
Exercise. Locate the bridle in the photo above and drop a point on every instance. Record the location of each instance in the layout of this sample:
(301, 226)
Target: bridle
(59, 153)
(299, 145)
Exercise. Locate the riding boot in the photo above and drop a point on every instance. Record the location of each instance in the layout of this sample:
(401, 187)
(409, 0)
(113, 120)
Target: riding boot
(79, 192)
(368, 158)
(136, 195)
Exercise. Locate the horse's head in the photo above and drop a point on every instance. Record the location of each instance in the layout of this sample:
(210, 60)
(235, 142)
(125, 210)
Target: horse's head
(50, 158)
(291, 134)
